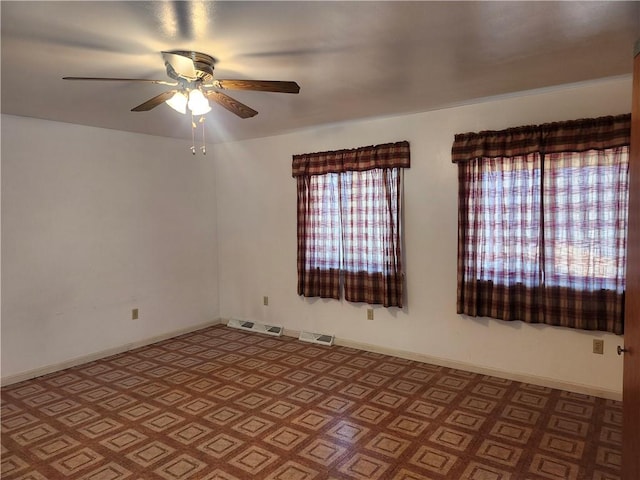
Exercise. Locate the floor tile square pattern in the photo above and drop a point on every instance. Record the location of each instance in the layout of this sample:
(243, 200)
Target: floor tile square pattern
(223, 404)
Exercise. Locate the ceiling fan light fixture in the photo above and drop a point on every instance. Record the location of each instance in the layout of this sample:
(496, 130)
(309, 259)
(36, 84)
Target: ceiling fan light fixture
(178, 102)
(198, 103)
(193, 71)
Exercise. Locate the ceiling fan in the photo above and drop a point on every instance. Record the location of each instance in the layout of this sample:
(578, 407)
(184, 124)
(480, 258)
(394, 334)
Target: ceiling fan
(192, 73)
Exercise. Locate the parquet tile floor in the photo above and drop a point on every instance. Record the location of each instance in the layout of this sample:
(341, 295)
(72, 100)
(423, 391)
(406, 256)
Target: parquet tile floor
(223, 404)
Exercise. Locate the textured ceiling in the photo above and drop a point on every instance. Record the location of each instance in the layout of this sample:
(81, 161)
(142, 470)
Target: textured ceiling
(352, 59)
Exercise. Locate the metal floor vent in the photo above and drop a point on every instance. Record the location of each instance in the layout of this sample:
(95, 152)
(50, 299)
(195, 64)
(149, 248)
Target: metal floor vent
(321, 338)
(274, 330)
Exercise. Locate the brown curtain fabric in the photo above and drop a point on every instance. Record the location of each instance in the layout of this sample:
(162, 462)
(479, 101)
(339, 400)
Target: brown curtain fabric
(601, 310)
(542, 223)
(318, 238)
(349, 223)
(372, 253)
(388, 155)
(374, 288)
(570, 136)
(316, 282)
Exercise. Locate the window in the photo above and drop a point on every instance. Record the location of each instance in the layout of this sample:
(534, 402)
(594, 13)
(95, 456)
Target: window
(349, 223)
(542, 223)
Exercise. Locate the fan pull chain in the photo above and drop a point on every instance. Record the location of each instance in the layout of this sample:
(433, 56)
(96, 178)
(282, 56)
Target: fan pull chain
(204, 144)
(203, 148)
(193, 136)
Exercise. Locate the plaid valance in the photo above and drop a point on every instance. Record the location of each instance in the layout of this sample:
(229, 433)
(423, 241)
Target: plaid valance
(388, 155)
(570, 136)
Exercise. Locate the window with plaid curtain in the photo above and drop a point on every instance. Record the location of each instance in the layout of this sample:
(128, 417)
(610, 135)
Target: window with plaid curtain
(542, 223)
(349, 223)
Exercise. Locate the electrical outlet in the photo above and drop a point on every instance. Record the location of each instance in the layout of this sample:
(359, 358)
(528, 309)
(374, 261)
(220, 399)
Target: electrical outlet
(134, 314)
(369, 313)
(598, 346)
(265, 300)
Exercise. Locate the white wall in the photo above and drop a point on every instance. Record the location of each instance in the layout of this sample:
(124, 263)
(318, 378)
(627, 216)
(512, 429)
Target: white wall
(96, 222)
(257, 243)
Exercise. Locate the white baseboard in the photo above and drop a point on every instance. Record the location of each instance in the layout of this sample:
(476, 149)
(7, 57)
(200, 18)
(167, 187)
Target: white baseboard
(518, 377)
(494, 372)
(38, 372)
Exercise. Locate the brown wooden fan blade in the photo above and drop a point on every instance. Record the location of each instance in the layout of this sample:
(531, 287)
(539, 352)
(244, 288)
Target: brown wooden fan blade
(260, 85)
(109, 79)
(154, 102)
(231, 104)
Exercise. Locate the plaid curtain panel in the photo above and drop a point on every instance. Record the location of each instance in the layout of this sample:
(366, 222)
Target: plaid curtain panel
(349, 230)
(542, 223)
(319, 242)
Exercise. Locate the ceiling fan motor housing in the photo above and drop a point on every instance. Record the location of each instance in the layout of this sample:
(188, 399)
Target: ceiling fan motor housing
(202, 63)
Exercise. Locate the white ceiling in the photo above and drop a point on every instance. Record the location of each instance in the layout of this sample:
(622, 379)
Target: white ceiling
(351, 59)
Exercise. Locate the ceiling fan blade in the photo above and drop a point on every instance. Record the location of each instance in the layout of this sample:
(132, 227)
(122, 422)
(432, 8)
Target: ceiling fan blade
(154, 102)
(259, 85)
(231, 104)
(109, 79)
(181, 64)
